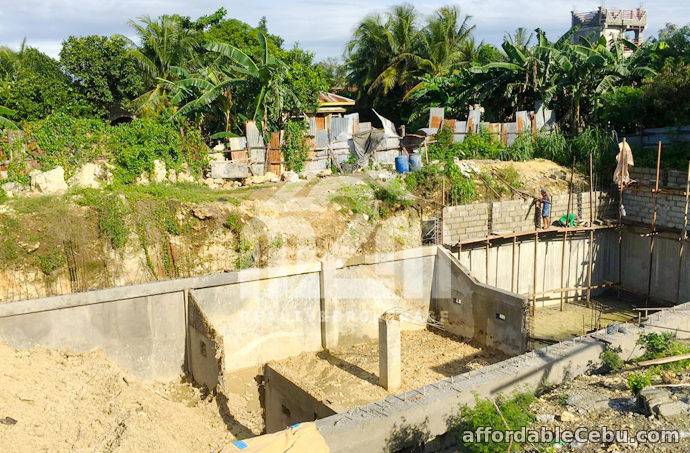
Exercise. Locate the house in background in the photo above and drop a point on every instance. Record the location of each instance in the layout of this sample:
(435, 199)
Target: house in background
(331, 106)
(613, 24)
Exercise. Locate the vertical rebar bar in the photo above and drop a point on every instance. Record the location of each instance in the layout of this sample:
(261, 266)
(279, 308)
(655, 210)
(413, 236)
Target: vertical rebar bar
(683, 235)
(620, 230)
(534, 272)
(591, 236)
(565, 232)
(653, 235)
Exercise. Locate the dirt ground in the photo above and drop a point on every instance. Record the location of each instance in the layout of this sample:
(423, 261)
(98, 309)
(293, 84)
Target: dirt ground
(348, 377)
(557, 408)
(553, 324)
(84, 402)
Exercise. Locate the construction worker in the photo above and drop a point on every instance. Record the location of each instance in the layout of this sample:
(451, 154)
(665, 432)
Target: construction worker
(545, 202)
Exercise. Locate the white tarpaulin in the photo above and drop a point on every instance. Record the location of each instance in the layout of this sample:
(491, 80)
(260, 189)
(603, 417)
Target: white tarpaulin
(621, 176)
(388, 126)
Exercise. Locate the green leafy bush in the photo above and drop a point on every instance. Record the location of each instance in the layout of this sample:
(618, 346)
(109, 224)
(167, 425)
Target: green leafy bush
(515, 410)
(612, 361)
(295, 146)
(51, 260)
(137, 144)
(521, 149)
(61, 139)
(638, 381)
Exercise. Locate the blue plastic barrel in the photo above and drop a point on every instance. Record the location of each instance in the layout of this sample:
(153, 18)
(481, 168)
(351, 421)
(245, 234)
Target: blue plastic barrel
(415, 161)
(402, 164)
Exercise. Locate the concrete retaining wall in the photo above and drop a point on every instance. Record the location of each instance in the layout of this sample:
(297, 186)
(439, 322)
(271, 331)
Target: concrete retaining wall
(510, 265)
(404, 420)
(468, 308)
(286, 403)
(478, 220)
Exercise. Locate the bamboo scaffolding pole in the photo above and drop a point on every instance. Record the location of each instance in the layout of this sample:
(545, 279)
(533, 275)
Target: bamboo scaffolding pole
(620, 231)
(653, 238)
(534, 272)
(512, 269)
(565, 233)
(573, 288)
(591, 235)
(683, 235)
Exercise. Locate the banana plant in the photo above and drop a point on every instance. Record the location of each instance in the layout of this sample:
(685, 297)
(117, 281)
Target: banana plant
(4, 121)
(265, 73)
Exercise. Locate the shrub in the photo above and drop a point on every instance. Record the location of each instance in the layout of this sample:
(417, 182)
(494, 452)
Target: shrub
(521, 149)
(51, 260)
(61, 139)
(638, 381)
(392, 197)
(137, 144)
(295, 145)
(515, 410)
(233, 223)
(612, 361)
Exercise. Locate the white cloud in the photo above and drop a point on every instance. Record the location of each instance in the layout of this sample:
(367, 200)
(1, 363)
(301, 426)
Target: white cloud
(321, 26)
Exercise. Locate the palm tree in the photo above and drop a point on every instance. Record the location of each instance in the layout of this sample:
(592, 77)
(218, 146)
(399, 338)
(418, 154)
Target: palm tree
(445, 38)
(165, 43)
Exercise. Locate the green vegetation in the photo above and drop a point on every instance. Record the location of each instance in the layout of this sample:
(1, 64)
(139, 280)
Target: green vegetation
(638, 381)
(374, 200)
(295, 146)
(612, 360)
(515, 410)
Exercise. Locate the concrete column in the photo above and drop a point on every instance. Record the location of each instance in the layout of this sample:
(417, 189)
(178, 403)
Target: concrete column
(389, 351)
(327, 293)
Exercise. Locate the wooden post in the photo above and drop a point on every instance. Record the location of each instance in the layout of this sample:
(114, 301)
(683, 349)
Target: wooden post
(534, 272)
(565, 233)
(591, 235)
(512, 269)
(683, 235)
(486, 252)
(620, 231)
(653, 236)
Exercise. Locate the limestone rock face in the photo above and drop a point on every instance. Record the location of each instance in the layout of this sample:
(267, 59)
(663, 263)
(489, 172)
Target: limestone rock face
(14, 189)
(290, 176)
(51, 182)
(159, 171)
(184, 176)
(91, 176)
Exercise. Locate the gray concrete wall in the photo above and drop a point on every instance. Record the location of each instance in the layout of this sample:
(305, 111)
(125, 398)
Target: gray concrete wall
(264, 320)
(510, 265)
(361, 292)
(286, 403)
(390, 424)
(478, 220)
(491, 316)
(206, 354)
(143, 327)
(665, 276)
(145, 335)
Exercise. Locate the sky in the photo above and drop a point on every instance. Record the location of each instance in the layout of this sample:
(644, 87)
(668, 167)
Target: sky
(320, 26)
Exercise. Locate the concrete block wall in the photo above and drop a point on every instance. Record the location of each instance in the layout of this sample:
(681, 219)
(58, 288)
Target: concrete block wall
(478, 220)
(668, 178)
(639, 201)
(465, 222)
